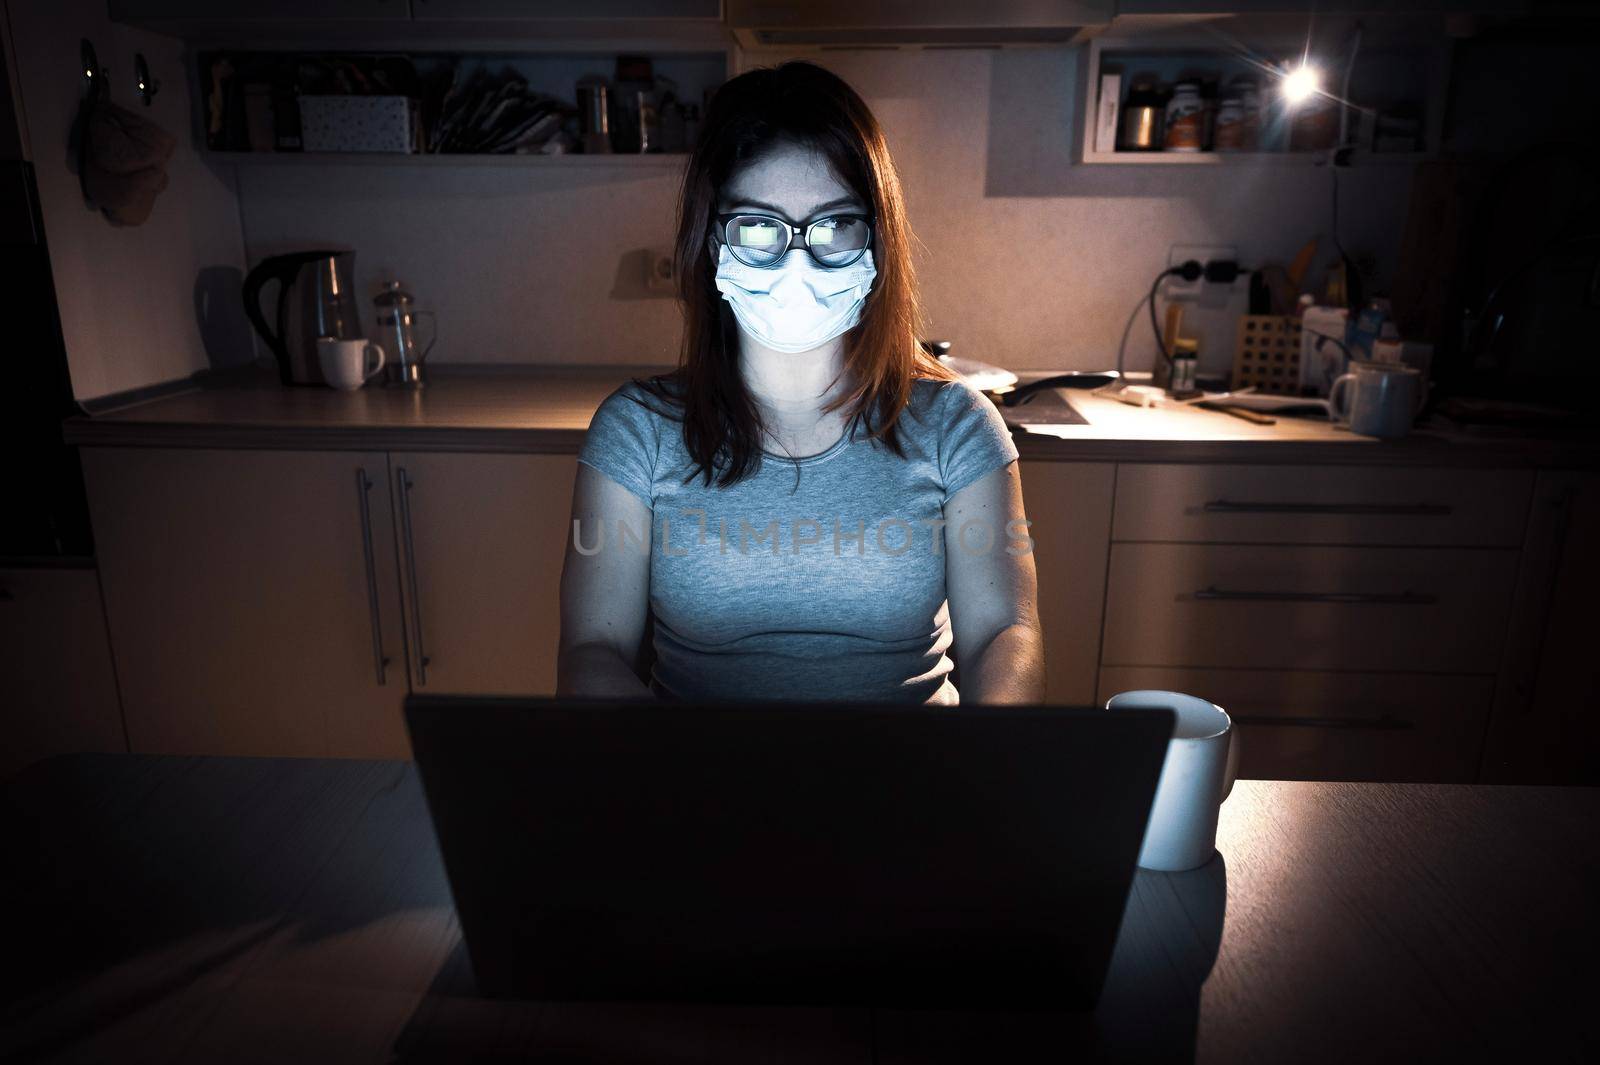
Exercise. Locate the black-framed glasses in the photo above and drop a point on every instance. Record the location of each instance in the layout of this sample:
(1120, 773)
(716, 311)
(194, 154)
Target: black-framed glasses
(762, 241)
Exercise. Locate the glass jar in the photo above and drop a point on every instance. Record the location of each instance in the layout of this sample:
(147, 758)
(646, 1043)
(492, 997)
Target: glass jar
(1185, 119)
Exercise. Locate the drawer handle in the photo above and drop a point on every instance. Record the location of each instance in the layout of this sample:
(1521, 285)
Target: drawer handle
(1386, 723)
(363, 487)
(405, 485)
(1361, 598)
(1403, 510)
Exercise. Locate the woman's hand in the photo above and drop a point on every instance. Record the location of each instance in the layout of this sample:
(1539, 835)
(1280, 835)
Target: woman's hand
(605, 591)
(993, 592)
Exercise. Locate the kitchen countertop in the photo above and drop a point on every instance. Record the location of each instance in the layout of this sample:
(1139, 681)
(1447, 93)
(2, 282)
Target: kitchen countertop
(547, 409)
(266, 910)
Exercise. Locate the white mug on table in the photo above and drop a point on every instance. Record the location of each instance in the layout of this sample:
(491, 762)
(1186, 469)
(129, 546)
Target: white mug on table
(344, 362)
(1196, 776)
(1385, 398)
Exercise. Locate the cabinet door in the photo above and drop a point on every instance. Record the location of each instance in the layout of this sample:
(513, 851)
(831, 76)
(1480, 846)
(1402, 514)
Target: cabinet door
(1069, 504)
(251, 600)
(1413, 727)
(1546, 723)
(259, 10)
(57, 689)
(482, 539)
(1440, 610)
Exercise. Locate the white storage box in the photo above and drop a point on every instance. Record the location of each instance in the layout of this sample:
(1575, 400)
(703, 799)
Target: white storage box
(357, 124)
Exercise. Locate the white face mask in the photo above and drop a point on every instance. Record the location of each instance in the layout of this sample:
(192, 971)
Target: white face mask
(797, 305)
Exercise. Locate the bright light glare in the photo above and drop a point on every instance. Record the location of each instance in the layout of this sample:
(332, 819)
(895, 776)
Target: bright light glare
(1299, 84)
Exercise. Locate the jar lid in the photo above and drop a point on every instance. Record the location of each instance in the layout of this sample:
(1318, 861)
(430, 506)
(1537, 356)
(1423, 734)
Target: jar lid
(1185, 346)
(393, 295)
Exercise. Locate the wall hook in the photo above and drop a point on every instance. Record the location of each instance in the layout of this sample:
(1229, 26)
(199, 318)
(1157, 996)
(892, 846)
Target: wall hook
(144, 84)
(93, 74)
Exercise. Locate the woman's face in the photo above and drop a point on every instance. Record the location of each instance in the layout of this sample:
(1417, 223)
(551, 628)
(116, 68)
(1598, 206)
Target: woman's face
(794, 183)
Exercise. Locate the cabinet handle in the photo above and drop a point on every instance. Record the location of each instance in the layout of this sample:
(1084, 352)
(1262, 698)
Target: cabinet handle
(1404, 510)
(1365, 598)
(363, 487)
(1386, 723)
(405, 486)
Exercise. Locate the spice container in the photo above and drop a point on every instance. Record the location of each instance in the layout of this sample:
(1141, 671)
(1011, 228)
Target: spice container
(1185, 358)
(1185, 119)
(1229, 135)
(1248, 91)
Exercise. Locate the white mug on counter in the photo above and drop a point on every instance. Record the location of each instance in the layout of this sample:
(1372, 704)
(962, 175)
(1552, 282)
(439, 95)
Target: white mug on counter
(344, 362)
(1385, 398)
(1197, 775)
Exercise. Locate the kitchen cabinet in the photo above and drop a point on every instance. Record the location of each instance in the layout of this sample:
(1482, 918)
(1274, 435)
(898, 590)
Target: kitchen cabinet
(1545, 727)
(284, 602)
(1069, 505)
(1403, 69)
(141, 10)
(1304, 725)
(1329, 505)
(1291, 607)
(567, 9)
(1353, 617)
(251, 600)
(482, 538)
(58, 690)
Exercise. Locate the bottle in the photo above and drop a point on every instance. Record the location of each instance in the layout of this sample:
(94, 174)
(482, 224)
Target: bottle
(1249, 93)
(1367, 326)
(1185, 359)
(1388, 347)
(1229, 134)
(1185, 119)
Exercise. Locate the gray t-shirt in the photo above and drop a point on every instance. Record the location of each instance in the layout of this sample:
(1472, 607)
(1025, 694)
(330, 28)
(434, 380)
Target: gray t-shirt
(820, 578)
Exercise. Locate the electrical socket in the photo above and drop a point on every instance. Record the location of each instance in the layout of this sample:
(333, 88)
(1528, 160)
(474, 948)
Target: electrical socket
(1176, 288)
(660, 277)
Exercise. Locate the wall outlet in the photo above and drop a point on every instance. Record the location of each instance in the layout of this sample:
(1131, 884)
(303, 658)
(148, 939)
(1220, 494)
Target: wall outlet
(1176, 288)
(662, 277)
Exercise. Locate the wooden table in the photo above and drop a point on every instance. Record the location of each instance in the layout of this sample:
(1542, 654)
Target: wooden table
(264, 910)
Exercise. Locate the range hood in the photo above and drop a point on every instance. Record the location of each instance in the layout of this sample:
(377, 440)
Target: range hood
(914, 23)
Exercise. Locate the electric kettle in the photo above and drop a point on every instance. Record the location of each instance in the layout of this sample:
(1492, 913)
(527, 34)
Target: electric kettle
(316, 298)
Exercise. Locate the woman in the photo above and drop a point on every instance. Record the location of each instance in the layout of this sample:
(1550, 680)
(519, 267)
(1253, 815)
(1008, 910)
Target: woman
(812, 507)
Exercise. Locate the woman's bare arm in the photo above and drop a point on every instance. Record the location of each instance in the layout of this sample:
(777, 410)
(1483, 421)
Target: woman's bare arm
(605, 591)
(994, 615)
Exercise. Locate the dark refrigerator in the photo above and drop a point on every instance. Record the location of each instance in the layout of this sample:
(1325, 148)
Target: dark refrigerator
(46, 516)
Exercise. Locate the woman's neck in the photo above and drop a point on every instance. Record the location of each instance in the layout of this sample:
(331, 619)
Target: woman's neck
(792, 389)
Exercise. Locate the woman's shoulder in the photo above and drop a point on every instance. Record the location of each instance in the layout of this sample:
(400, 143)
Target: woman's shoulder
(643, 399)
(937, 401)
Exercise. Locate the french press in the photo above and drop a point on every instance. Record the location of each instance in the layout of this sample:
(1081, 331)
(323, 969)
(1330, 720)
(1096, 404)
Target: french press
(397, 318)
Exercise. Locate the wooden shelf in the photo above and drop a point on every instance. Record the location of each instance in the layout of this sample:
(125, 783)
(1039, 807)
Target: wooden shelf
(656, 160)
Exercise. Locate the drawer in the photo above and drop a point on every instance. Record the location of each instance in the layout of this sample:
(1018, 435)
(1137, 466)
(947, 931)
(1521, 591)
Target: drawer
(1321, 505)
(1337, 726)
(1437, 610)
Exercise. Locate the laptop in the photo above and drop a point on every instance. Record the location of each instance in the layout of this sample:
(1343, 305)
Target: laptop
(788, 853)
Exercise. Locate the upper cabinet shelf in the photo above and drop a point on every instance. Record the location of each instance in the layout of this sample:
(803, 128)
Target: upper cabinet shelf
(578, 25)
(1174, 89)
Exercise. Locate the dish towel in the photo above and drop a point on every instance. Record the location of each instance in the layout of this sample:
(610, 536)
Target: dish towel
(124, 162)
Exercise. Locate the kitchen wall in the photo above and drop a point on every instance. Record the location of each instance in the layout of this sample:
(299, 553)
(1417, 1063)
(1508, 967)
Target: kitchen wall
(139, 304)
(1028, 260)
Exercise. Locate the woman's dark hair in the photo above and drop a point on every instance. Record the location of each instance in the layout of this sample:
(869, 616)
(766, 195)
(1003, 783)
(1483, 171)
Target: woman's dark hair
(795, 103)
